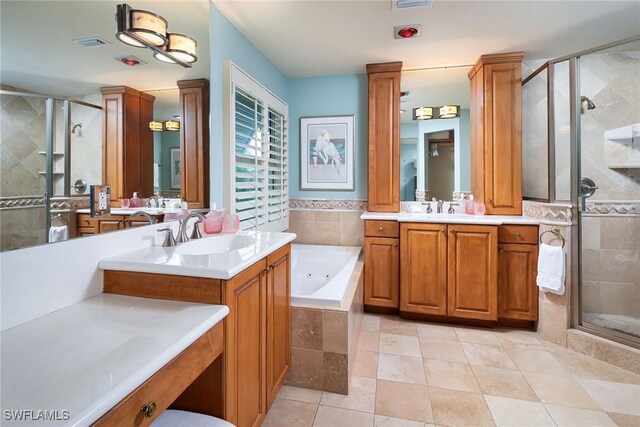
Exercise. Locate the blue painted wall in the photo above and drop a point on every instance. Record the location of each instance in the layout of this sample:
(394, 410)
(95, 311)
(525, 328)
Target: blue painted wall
(163, 142)
(227, 43)
(408, 170)
(329, 96)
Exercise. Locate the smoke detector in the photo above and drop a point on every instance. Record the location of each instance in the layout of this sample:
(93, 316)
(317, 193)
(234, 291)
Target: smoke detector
(130, 60)
(407, 31)
(409, 4)
(91, 41)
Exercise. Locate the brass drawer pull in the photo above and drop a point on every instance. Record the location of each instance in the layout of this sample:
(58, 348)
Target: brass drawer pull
(380, 228)
(518, 235)
(491, 203)
(452, 231)
(395, 245)
(148, 409)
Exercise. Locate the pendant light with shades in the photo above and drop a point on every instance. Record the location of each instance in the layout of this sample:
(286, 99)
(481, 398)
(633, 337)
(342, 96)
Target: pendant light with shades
(141, 28)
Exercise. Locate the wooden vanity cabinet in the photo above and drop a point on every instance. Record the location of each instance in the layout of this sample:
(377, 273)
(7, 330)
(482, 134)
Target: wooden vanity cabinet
(381, 264)
(384, 137)
(424, 268)
(517, 267)
(472, 280)
(496, 133)
(87, 225)
(449, 270)
(256, 356)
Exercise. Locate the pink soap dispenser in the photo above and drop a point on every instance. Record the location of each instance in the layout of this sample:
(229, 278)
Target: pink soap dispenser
(135, 201)
(213, 221)
(470, 206)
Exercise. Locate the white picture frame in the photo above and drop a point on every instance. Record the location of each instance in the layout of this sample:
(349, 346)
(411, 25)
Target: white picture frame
(328, 164)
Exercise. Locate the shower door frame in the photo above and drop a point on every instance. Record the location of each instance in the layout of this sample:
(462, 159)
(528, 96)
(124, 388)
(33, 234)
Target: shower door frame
(576, 225)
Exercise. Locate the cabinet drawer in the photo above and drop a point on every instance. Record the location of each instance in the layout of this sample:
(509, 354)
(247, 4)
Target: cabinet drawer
(381, 229)
(518, 234)
(168, 383)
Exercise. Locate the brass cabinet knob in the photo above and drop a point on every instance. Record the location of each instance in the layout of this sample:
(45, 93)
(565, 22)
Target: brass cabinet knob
(517, 235)
(395, 245)
(443, 230)
(491, 202)
(148, 409)
(380, 228)
(452, 231)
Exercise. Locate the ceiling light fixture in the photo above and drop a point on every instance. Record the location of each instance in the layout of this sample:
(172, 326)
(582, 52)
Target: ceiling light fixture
(449, 111)
(140, 28)
(423, 113)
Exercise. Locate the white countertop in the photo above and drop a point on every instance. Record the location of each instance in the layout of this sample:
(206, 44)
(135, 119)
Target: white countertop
(129, 211)
(87, 357)
(215, 265)
(445, 218)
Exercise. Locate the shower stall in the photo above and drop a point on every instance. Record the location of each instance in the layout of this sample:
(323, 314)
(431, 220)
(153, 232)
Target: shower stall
(581, 123)
(46, 168)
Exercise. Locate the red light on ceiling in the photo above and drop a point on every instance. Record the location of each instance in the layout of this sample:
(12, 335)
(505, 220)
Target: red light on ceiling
(407, 32)
(131, 62)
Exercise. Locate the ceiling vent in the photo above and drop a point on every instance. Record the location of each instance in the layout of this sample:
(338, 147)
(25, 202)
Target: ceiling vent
(91, 42)
(409, 4)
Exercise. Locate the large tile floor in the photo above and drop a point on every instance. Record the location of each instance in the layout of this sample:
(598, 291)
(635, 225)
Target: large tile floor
(417, 374)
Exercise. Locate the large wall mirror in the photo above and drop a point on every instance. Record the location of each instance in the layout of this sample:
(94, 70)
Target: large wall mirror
(55, 58)
(435, 155)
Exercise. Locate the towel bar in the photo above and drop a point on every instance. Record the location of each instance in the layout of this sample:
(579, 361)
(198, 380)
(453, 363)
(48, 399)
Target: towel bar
(556, 232)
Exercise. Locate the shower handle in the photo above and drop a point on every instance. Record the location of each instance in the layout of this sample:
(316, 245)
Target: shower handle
(587, 189)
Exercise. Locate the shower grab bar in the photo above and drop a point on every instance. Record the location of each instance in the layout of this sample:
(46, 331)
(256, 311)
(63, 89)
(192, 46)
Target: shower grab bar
(556, 232)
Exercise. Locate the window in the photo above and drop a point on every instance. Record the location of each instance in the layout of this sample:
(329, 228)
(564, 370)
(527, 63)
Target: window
(258, 152)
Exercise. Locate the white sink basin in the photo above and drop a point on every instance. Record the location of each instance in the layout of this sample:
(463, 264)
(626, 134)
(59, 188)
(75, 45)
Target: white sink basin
(215, 245)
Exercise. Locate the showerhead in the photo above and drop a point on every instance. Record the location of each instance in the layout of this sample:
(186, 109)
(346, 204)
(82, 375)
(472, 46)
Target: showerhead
(590, 104)
(73, 129)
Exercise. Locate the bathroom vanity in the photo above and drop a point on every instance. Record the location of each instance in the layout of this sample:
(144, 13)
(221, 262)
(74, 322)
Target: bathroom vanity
(249, 273)
(445, 267)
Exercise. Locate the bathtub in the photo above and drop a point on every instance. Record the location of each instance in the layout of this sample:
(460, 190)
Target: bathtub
(320, 275)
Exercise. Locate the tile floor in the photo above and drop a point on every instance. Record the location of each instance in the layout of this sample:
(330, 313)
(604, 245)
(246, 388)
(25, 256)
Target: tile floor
(417, 374)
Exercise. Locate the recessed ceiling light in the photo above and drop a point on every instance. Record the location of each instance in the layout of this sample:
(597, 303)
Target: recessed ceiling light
(407, 31)
(130, 60)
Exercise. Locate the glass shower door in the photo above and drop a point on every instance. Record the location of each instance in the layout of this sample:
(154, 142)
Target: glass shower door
(609, 195)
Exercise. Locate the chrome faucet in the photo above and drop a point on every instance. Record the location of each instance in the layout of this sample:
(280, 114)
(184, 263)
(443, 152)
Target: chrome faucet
(182, 229)
(451, 208)
(439, 206)
(142, 213)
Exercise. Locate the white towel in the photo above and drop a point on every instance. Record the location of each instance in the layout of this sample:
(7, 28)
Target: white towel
(58, 234)
(156, 175)
(551, 269)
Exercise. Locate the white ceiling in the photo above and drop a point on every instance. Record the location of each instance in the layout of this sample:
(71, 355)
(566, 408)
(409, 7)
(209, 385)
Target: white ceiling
(313, 38)
(38, 53)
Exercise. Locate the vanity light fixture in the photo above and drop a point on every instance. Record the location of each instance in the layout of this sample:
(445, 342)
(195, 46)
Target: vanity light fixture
(423, 113)
(449, 111)
(172, 125)
(140, 28)
(156, 126)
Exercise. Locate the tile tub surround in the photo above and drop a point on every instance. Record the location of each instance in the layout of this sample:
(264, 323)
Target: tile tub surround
(327, 226)
(324, 342)
(448, 382)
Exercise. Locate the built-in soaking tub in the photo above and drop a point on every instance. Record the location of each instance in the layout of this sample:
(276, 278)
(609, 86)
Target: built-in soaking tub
(326, 312)
(320, 275)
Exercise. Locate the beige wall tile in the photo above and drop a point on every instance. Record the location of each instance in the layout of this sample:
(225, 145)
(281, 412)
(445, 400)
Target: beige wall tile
(335, 373)
(335, 330)
(305, 231)
(306, 328)
(302, 215)
(327, 216)
(327, 233)
(306, 369)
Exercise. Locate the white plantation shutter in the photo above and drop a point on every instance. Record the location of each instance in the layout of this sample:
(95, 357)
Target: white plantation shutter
(258, 133)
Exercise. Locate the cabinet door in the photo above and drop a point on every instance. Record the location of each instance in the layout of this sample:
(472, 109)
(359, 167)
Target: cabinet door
(381, 269)
(384, 137)
(503, 139)
(423, 281)
(472, 285)
(278, 326)
(244, 354)
(518, 293)
(113, 223)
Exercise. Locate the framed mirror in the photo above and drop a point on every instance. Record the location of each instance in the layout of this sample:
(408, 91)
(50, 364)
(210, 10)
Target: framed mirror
(435, 157)
(55, 58)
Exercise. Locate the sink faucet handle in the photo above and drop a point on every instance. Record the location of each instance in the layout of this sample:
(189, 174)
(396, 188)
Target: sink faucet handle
(429, 209)
(451, 210)
(169, 240)
(195, 234)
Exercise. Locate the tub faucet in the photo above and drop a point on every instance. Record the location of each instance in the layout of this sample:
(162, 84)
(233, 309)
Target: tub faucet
(439, 206)
(142, 213)
(182, 230)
